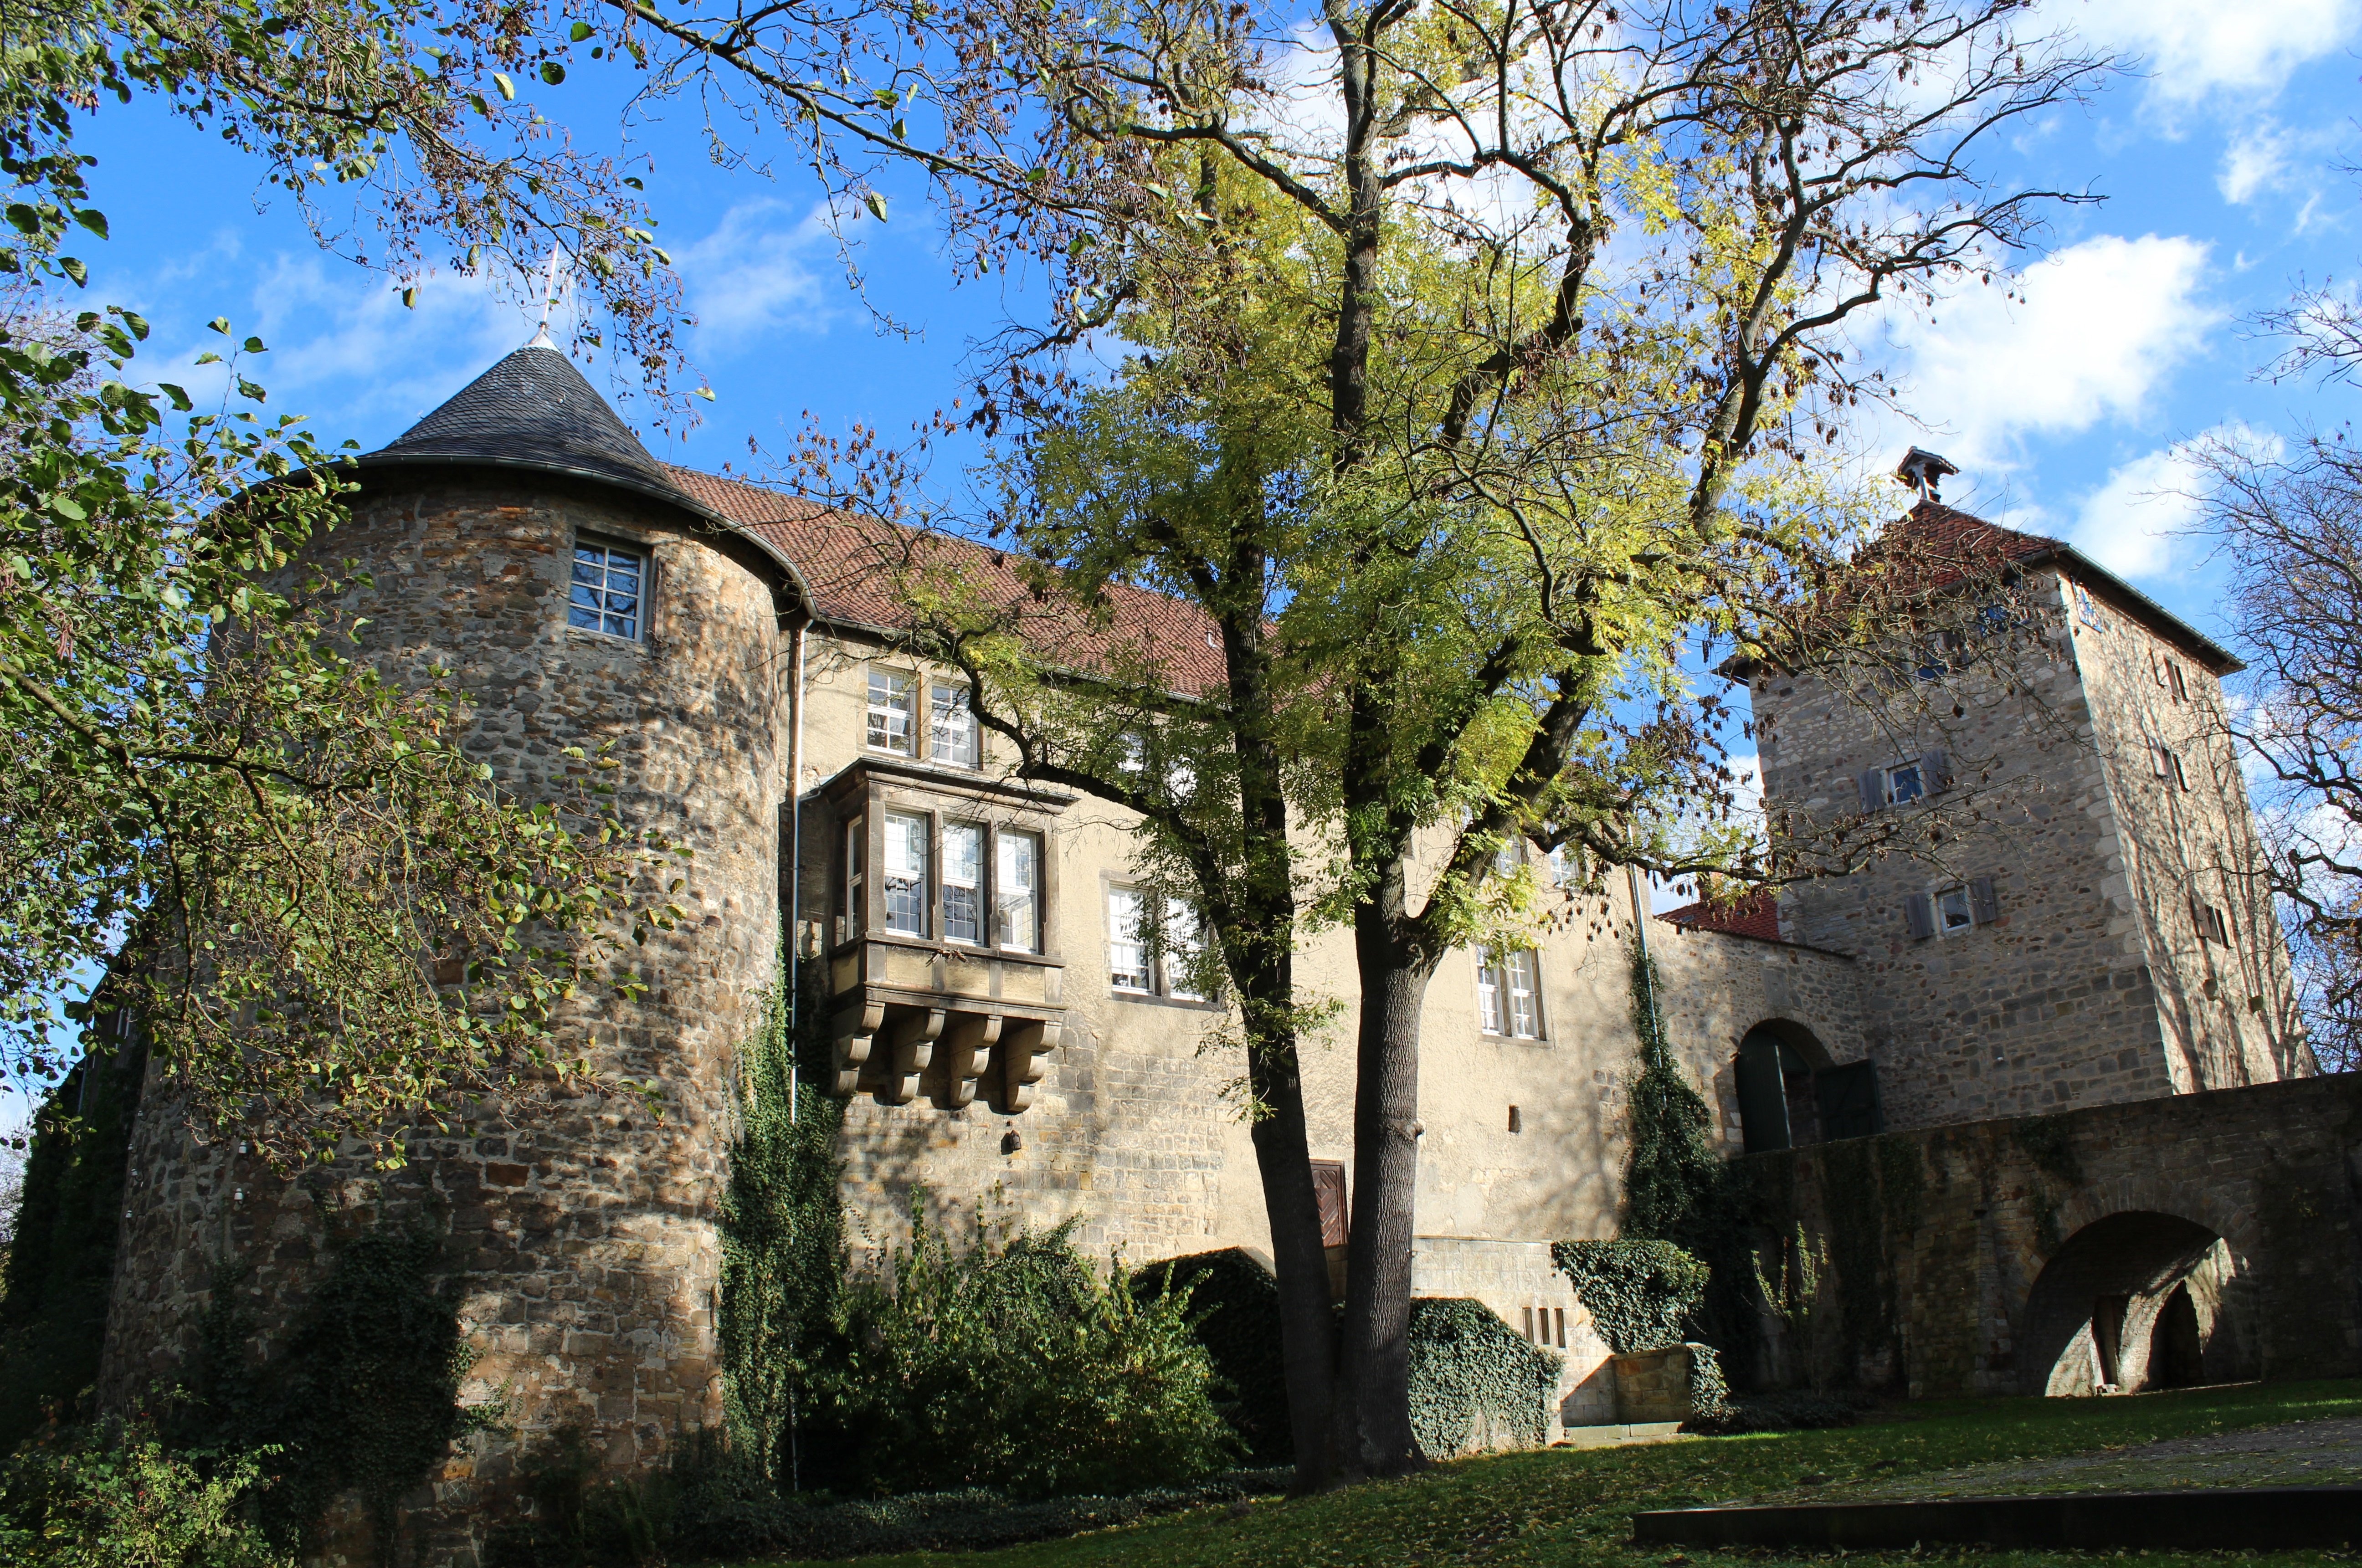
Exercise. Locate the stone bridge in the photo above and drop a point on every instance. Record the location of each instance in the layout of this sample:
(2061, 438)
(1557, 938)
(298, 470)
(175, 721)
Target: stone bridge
(2153, 1243)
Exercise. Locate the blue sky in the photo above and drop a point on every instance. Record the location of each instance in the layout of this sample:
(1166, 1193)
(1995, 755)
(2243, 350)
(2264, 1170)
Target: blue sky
(2066, 410)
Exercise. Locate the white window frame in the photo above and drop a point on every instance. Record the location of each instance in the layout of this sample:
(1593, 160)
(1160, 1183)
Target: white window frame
(1183, 953)
(952, 736)
(596, 578)
(892, 694)
(904, 872)
(963, 880)
(856, 884)
(1888, 775)
(1014, 895)
(1510, 994)
(1945, 902)
(1128, 970)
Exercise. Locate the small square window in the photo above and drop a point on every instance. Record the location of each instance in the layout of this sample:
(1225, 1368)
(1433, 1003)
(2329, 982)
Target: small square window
(1127, 943)
(608, 588)
(1508, 993)
(889, 711)
(1905, 783)
(1953, 911)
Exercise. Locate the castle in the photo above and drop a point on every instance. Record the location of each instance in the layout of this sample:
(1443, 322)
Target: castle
(1000, 1022)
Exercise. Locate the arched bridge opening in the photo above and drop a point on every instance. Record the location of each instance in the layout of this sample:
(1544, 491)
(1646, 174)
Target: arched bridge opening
(1792, 1095)
(2136, 1300)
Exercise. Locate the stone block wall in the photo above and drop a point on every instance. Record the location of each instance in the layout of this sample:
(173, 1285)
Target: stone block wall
(2048, 1007)
(579, 1225)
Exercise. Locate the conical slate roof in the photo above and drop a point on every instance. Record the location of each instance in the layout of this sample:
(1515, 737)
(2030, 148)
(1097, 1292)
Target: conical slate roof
(534, 409)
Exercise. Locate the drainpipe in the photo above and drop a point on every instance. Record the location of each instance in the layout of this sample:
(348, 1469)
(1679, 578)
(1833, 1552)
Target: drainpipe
(795, 848)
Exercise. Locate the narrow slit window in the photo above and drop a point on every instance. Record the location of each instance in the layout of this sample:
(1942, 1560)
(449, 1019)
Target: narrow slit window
(889, 713)
(905, 874)
(607, 589)
(1018, 892)
(963, 873)
(952, 739)
(1127, 943)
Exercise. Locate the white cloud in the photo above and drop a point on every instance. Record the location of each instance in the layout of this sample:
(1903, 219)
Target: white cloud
(749, 277)
(2195, 49)
(2095, 330)
(2129, 524)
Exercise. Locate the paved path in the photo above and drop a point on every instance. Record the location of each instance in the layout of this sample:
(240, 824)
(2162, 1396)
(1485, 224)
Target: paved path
(2299, 1453)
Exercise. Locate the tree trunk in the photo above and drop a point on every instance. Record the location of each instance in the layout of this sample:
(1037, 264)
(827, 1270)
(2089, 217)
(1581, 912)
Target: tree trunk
(1308, 1332)
(1374, 1432)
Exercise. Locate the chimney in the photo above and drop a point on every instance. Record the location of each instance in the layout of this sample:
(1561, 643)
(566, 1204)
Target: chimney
(1924, 471)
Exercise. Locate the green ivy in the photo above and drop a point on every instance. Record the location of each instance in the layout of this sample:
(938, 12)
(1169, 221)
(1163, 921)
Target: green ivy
(1638, 1293)
(782, 1228)
(1672, 1177)
(2051, 1145)
(1466, 1364)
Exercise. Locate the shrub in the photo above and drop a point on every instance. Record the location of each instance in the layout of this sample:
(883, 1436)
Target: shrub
(1472, 1377)
(1010, 1364)
(1235, 1305)
(112, 1496)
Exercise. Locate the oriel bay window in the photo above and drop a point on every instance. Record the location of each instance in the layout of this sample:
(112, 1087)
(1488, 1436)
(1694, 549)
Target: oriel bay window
(943, 978)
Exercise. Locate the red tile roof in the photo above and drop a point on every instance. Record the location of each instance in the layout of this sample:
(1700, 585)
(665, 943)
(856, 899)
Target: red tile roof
(851, 565)
(1758, 914)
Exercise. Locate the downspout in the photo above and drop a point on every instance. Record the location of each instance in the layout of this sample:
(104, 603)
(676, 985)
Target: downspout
(795, 847)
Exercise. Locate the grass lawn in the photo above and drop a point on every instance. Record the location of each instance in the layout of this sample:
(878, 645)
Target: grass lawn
(1572, 1506)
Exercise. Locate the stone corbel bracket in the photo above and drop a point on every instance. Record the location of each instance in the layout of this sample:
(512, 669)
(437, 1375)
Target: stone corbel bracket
(1017, 1060)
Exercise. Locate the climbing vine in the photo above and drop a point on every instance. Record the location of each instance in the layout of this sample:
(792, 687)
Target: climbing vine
(1468, 1368)
(1672, 1175)
(782, 1226)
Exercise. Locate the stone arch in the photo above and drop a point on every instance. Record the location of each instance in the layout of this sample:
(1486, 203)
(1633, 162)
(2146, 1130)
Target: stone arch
(1817, 1098)
(2090, 1318)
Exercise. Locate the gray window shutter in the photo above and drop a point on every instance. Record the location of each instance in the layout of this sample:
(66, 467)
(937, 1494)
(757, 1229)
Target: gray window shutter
(1984, 904)
(1919, 914)
(1874, 790)
(1934, 776)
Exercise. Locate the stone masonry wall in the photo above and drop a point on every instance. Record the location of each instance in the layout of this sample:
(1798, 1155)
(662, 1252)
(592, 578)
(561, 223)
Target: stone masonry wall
(2187, 833)
(580, 1227)
(2052, 1005)
(1967, 1258)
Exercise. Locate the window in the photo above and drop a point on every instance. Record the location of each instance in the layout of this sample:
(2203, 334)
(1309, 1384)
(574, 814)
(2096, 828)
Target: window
(2181, 780)
(1184, 946)
(1508, 993)
(889, 711)
(1017, 893)
(856, 856)
(1127, 943)
(1905, 783)
(2169, 675)
(1506, 858)
(952, 740)
(2087, 610)
(905, 874)
(605, 595)
(1951, 911)
(963, 875)
(1160, 962)
(2211, 926)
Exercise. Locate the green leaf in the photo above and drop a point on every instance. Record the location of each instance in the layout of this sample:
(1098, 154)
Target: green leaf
(249, 389)
(254, 346)
(220, 324)
(552, 72)
(579, 31)
(209, 357)
(875, 204)
(179, 398)
(507, 87)
(92, 219)
(75, 270)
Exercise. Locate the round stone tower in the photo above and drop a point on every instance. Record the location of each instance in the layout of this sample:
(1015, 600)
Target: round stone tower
(522, 537)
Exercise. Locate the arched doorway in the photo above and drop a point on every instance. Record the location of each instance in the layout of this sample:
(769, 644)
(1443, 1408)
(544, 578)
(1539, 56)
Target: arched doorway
(1791, 1095)
(2134, 1300)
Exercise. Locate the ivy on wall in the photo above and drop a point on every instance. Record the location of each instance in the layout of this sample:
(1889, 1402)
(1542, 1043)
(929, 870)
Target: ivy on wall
(783, 1230)
(1234, 1307)
(1472, 1376)
(1639, 1293)
(1672, 1177)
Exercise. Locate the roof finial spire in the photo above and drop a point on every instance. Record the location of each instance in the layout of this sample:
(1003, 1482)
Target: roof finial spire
(549, 297)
